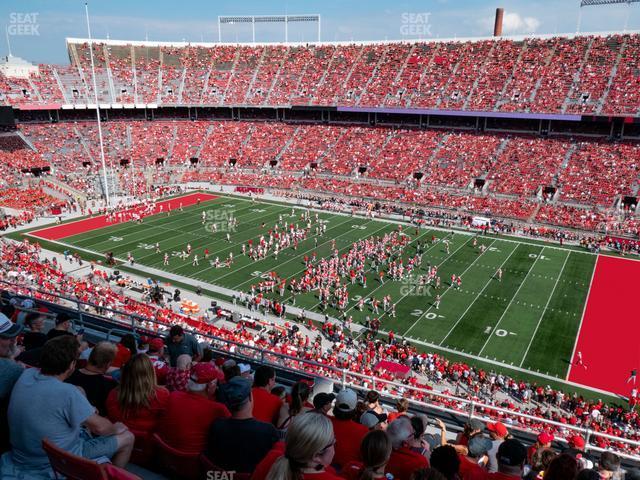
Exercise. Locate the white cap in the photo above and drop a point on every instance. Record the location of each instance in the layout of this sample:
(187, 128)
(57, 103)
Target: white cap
(346, 401)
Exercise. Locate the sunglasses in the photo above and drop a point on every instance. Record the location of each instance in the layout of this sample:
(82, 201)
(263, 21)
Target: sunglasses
(332, 444)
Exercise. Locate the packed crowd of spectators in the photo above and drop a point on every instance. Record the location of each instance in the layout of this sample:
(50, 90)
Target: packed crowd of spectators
(485, 174)
(22, 264)
(596, 172)
(29, 199)
(539, 75)
(175, 392)
(590, 173)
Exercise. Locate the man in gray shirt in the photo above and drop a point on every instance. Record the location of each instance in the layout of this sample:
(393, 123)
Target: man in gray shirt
(10, 371)
(180, 343)
(43, 406)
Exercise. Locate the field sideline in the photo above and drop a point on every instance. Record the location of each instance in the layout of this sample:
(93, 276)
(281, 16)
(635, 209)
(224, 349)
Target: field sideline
(530, 319)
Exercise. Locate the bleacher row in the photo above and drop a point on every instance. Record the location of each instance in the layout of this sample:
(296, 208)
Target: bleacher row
(582, 74)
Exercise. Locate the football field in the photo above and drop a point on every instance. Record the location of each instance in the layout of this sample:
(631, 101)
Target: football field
(530, 319)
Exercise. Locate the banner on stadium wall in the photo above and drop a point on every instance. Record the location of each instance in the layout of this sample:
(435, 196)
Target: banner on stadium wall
(480, 222)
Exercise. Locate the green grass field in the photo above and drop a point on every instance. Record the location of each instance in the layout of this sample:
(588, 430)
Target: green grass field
(530, 319)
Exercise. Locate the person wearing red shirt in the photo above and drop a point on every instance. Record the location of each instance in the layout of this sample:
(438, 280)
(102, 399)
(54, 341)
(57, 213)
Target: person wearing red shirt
(404, 461)
(402, 407)
(472, 464)
(511, 457)
(126, 348)
(177, 426)
(375, 451)
(266, 406)
(156, 354)
(471, 428)
(543, 441)
(263, 468)
(349, 434)
(309, 450)
(138, 401)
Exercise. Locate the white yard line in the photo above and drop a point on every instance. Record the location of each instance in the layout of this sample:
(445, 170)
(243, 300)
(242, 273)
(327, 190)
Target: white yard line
(418, 341)
(211, 239)
(584, 310)
(152, 219)
(450, 287)
(511, 301)
(477, 296)
(544, 310)
(134, 231)
(86, 217)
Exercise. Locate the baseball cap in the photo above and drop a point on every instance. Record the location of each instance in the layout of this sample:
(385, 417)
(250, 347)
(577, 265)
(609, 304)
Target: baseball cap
(205, 372)
(511, 452)
(156, 344)
(229, 363)
(28, 304)
(346, 401)
(322, 399)
(370, 418)
(545, 437)
(498, 428)
(237, 391)
(476, 424)
(576, 441)
(479, 446)
(244, 368)
(8, 329)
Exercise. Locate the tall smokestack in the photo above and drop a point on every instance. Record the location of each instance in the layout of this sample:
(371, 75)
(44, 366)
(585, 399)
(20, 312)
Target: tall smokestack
(497, 27)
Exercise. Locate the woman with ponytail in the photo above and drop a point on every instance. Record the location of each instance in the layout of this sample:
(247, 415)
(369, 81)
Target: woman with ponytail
(299, 404)
(375, 450)
(309, 450)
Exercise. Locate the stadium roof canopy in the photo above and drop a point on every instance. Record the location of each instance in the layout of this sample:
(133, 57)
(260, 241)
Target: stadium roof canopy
(516, 38)
(589, 3)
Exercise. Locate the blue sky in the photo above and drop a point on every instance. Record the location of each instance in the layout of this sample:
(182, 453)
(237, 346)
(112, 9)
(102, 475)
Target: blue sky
(345, 20)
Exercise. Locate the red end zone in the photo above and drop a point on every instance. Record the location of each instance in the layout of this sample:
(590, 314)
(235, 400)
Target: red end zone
(100, 221)
(608, 338)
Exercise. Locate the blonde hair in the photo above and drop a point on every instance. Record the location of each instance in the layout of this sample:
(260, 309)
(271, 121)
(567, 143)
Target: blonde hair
(137, 385)
(308, 435)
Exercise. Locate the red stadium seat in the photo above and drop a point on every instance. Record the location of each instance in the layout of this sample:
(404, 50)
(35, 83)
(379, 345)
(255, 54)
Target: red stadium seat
(73, 467)
(177, 463)
(143, 449)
